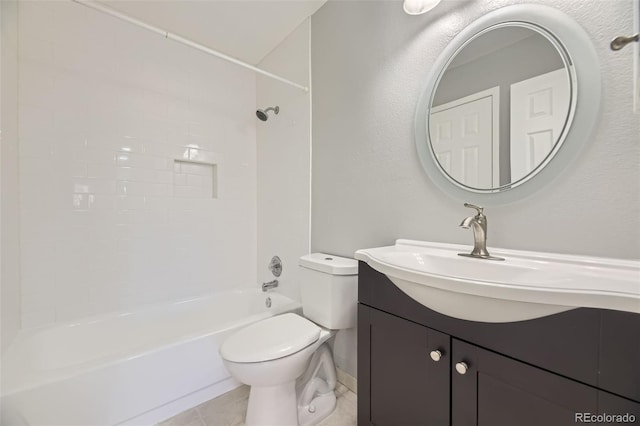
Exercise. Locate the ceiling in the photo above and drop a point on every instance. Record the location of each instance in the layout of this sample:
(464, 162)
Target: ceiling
(245, 29)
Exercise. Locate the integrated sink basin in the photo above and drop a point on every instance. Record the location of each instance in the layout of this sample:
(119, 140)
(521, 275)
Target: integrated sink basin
(526, 285)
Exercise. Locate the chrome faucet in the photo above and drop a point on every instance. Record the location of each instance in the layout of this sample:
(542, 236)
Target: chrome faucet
(270, 285)
(478, 224)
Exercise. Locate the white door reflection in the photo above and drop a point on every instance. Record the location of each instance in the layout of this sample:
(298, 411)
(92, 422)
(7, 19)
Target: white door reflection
(539, 108)
(465, 138)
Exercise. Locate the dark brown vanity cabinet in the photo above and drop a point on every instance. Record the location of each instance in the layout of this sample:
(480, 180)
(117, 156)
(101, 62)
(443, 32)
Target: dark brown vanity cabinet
(497, 390)
(418, 367)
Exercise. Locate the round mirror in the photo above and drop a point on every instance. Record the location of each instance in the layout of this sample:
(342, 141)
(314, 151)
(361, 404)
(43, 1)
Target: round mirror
(500, 107)
(502, 102)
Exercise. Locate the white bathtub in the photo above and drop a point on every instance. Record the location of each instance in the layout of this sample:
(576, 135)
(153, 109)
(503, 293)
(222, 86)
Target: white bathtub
(132, 368)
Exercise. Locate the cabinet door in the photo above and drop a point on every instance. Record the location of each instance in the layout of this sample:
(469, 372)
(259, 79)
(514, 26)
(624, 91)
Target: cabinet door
(619, 410)
(620, 353)
(496, 390)
(400, 384)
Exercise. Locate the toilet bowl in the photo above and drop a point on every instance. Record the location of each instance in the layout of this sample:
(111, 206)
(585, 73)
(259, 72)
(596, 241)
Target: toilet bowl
(269, 356)
(286, 359)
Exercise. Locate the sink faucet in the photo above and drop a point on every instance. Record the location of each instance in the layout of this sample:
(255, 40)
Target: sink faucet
(270, 285)
(478, 224)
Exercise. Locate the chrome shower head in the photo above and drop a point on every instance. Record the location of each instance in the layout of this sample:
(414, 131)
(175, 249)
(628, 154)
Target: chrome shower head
(262, 113)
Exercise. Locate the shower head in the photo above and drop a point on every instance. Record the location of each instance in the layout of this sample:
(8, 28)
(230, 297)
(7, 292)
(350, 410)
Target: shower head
(262, 113)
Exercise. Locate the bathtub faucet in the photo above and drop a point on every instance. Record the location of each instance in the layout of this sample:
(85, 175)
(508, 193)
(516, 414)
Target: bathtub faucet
(270, 285)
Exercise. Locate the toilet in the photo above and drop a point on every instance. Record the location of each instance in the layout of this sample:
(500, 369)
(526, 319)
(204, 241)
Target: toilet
(286, 358)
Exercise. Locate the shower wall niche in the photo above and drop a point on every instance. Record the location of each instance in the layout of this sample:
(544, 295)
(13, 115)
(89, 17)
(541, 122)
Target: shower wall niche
(194, 179)
(110, 219)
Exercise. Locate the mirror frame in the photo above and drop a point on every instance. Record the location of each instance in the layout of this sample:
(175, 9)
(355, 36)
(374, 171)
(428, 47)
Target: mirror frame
(586, 112)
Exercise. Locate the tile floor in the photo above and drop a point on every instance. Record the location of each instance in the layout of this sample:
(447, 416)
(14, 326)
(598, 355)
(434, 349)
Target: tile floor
(230, 409)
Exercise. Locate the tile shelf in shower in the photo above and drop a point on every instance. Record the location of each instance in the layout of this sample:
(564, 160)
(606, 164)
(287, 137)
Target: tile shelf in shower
(182, 160)
(195, 178)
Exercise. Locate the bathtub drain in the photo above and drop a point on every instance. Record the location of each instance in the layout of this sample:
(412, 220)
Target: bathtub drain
(267, 302)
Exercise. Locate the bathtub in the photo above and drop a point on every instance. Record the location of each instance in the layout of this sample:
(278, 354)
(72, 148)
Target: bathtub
(133, 368)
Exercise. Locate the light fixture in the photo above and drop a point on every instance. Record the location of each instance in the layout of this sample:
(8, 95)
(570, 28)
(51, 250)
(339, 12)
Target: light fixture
(418, 7)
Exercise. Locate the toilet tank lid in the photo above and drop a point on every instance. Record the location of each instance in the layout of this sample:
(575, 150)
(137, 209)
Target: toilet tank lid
(330, 264)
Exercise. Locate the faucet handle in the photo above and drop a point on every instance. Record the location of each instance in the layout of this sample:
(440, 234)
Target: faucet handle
(479, 209)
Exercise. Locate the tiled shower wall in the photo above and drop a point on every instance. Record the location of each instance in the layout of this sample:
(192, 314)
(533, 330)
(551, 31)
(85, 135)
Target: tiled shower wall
(284, 162)
(9, 213)
(110, 219)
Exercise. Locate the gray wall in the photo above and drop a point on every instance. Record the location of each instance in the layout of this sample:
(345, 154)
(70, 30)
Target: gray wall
(369, 65)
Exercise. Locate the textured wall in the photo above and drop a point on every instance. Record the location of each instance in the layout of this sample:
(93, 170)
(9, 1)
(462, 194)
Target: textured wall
(109, 220)
(370, 62)
(283, 145)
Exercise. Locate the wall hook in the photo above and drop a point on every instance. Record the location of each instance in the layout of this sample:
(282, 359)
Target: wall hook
(621, 41)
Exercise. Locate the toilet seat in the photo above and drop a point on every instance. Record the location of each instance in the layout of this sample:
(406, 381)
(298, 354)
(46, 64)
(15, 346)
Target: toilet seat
(270, 339)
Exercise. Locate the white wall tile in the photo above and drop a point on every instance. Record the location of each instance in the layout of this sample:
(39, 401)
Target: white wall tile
(103, 171)
(130, 202)
(34, 82)
(68, 312)
(105, 109)
(38, 318)
(102, 202)
(283, 145)
(35, 123)
(36, 49)
(9, 177)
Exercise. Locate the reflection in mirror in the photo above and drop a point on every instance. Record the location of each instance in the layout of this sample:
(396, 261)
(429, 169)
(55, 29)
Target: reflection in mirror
(500, 108)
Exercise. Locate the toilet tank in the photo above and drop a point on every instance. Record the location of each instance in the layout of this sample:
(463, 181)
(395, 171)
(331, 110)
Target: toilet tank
(329, 290)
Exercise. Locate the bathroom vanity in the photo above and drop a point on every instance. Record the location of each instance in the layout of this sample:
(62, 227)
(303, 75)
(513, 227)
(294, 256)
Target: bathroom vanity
(515, 338)
(420, 367)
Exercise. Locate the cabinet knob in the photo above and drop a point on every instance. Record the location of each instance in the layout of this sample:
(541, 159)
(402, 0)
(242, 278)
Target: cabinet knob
(462, 367)
(436, 355)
